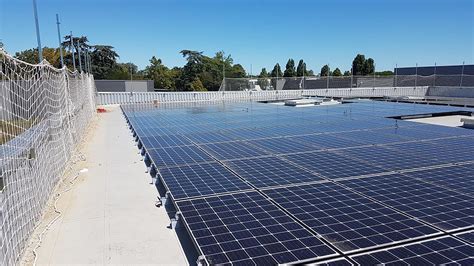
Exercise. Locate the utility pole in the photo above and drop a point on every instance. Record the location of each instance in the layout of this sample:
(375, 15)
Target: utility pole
(416, 74)
(434, 76)
(327, 80)
(59, 39)
(462, 74)
(38, 38)
(396, 78)
(352, 77)
(72, 51)
(79, 55)
(223, 74)
(374, 75)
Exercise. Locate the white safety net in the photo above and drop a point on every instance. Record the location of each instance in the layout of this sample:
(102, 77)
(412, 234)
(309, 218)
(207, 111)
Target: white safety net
(44, 113)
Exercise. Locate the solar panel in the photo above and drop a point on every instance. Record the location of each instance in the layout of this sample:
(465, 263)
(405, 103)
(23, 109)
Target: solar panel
(281, 145)
(207, 137)
(346, 219)
(442, 251)
(233, 150)
(435, 205)
(457, 177)
(326, 141)
(200, 180)
(335, 262)
(181, 155)
(332, 165)
(467, 237)
(374, 137)
(390, 159)
(246, 228)
(342, 177)
(164, 141)
(270, 171)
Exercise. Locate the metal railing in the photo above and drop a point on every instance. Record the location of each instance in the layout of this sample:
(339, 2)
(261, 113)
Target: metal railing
(104, 98)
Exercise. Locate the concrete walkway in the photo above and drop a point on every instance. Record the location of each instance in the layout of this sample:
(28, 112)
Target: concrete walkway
(109, 217)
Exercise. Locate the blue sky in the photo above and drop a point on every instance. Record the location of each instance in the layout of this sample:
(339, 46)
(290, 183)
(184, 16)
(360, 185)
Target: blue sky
(257, 33)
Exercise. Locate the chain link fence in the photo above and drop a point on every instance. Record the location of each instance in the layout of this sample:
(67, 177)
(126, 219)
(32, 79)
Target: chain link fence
(44, 113)
(332, 82)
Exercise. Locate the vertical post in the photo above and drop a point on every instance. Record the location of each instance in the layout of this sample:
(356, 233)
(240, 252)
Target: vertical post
(79, 55)
(86, 63)
(72, 51)
(374, 76)
(327, 80)
(131, 76)
(38, 38)
(352, 77)
(59, 39)
(304, 70)
(416, 74)
(223, 74)
(462, 74)
(434, 76)
(396, 76)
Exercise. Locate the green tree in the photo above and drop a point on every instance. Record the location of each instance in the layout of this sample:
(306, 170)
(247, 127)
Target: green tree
(191, 70)
(162, 77)
(237, 71)
(290, 70)
(263, 80)
(196, 85)
(263, 73)
(103, 60)
(384, 73)
(276, 72)
(347, 73)
(369, 66)
(358, 65)
(337, 72)
(301, 69)
(324, 71)
(31, 56)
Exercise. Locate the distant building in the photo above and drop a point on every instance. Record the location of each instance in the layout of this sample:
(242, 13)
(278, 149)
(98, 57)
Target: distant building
(438, 70)
(124, 85)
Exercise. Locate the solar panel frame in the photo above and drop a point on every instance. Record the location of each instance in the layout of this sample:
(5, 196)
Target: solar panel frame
(271, 171)
(441, 251)
(332, 165)
(175, 156)
(435, 205)
(347, 220)
(247, 228)
(199, 180)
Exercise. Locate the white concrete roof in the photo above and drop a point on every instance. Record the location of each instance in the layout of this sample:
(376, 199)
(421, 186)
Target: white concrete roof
(109, 216)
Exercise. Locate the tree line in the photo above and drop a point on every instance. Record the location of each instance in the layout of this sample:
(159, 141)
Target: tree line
(200, 73)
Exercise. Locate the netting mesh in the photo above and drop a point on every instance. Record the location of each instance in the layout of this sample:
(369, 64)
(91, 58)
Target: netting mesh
(333, 82)
(44, 113)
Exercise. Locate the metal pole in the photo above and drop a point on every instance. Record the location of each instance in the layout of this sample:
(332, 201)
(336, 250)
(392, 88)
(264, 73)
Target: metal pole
(416, 74)
(396, 77)
(86, 60)
(79, 55)
(374, 75)
(59, 39)
(38, 38)
(327, 82)
(304, 70)
(72, 51)
(462, 74)
(434, 76)
(223, 73)
(352, 77)
(131, 76)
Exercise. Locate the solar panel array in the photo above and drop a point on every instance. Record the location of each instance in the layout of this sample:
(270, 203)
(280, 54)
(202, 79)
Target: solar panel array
(262, 183)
